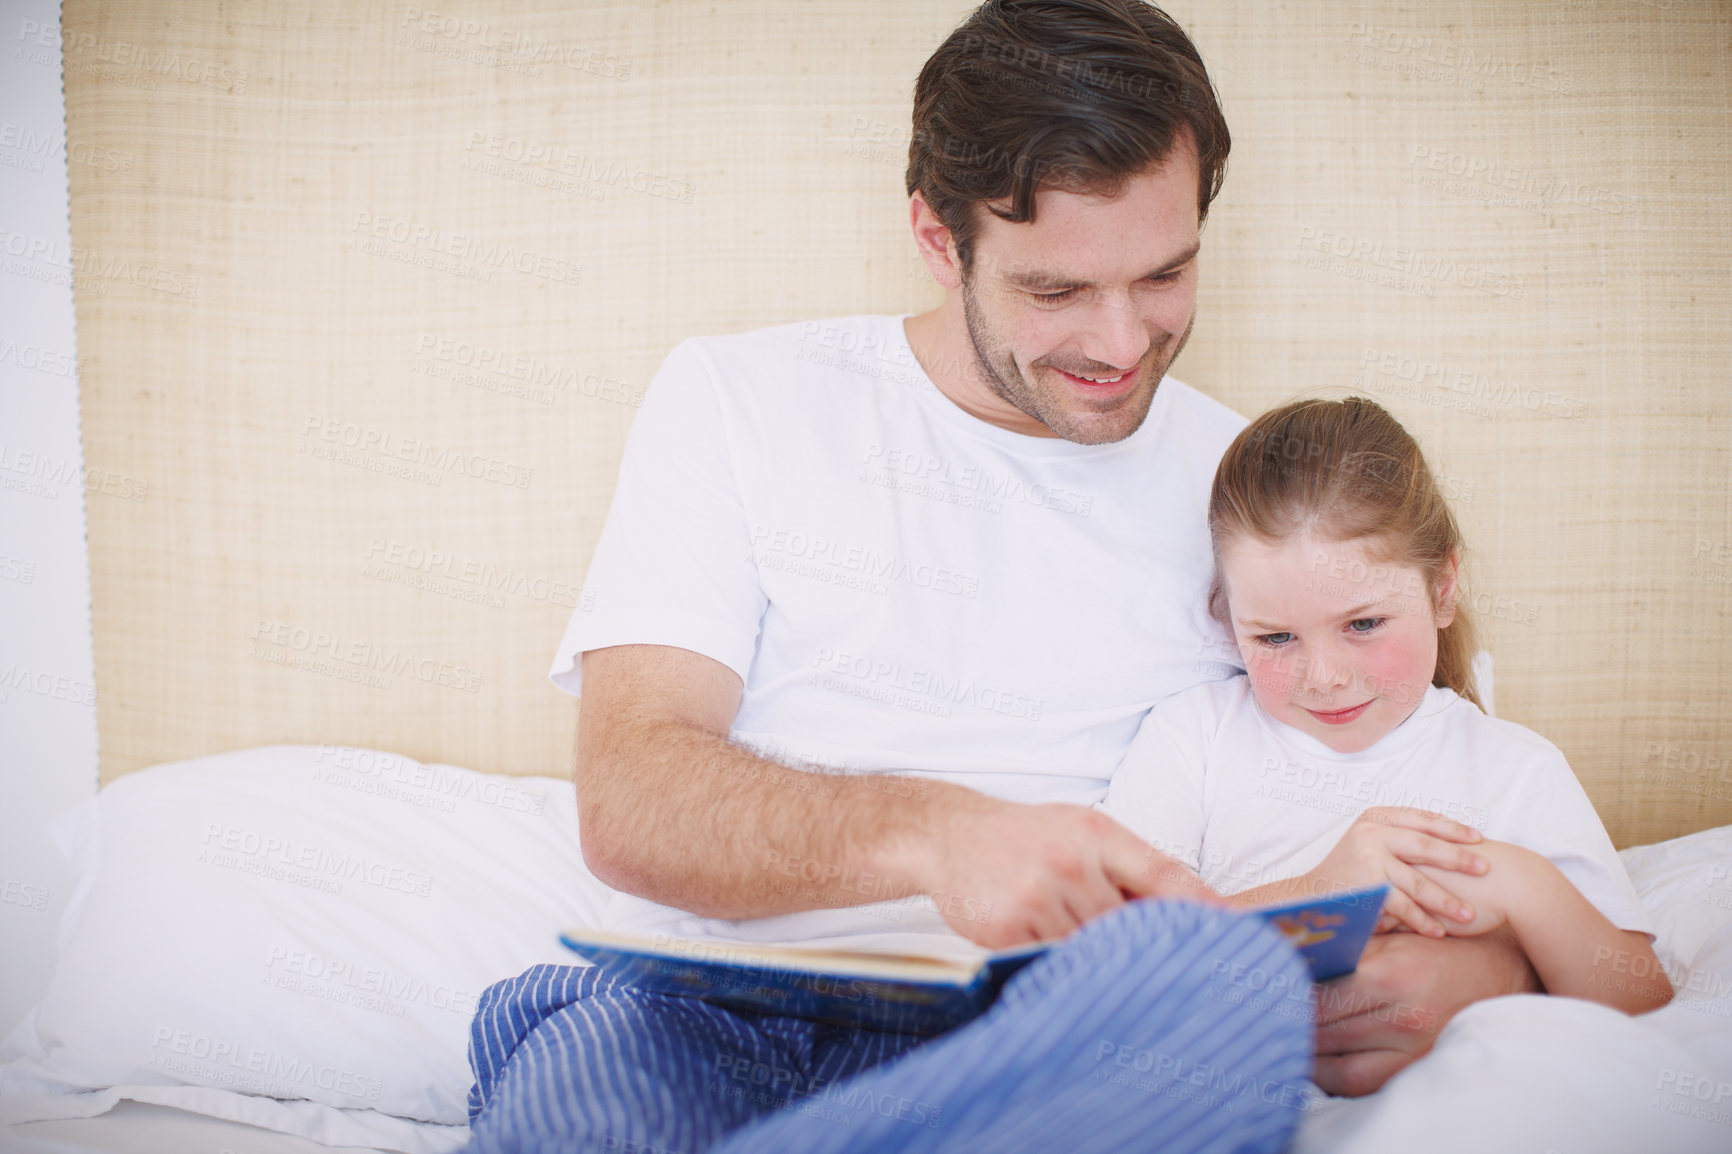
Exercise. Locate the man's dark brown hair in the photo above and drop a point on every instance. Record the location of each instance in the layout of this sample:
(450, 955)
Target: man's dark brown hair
(1068, 94)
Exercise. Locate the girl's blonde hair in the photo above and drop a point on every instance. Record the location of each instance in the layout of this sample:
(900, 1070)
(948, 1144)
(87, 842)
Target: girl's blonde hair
(1344, 471)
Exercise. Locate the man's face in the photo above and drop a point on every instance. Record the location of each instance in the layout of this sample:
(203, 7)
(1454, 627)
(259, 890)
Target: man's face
(1076, 316)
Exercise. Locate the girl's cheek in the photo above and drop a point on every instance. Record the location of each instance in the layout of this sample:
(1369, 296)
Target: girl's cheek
(1271, 675)
(1400, 671)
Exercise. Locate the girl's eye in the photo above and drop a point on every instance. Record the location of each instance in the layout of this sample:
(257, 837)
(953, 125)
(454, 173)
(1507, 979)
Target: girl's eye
(1274, 640)
(1363, 625)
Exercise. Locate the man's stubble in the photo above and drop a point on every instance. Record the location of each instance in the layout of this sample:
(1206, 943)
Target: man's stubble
(998, 366)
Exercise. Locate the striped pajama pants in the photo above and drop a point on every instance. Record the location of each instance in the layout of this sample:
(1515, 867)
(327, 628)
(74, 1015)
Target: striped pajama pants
(1161, 1026)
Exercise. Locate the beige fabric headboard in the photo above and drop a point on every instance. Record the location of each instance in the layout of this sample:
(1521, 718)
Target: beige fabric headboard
(367, 295)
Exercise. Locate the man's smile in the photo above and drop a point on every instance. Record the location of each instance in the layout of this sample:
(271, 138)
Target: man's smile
(1102, 385)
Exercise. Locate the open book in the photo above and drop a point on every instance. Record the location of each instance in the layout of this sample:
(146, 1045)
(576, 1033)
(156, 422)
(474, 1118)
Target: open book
(905, 994)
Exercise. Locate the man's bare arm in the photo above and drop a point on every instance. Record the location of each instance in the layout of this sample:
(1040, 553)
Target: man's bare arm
(672, 811)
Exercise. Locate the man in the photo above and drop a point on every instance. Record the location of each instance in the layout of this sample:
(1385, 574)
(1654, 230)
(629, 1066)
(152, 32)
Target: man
(968, 546)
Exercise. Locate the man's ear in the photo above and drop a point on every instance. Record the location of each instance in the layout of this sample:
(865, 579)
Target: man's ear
(937, 246)
(1447, 583)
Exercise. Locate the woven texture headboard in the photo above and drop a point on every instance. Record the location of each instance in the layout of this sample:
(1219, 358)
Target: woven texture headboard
(366, 297)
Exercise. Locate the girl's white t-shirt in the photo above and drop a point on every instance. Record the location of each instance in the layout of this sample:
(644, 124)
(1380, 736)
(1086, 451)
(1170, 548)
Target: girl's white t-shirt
(901, 586)
(1245, 800)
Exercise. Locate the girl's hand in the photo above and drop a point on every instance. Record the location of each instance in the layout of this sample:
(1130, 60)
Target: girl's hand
(1496, 896)
(1386, 844)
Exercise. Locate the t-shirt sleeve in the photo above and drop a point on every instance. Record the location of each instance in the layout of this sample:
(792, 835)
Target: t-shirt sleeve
(1550, 814)
(1157, 790)
(673, 565)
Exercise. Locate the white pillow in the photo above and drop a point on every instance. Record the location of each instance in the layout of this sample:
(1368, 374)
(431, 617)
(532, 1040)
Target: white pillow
(299, 922)
(1686, 883)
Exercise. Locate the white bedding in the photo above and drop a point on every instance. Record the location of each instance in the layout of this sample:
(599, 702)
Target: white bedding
(140, 1128)
(343, 963)
(295, 938)
(1541, 1074)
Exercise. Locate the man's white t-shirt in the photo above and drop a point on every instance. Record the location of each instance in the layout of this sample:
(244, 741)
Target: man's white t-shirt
(1245, 800)
(901, 586)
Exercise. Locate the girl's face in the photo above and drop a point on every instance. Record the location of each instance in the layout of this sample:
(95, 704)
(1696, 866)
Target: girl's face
(1339, 643)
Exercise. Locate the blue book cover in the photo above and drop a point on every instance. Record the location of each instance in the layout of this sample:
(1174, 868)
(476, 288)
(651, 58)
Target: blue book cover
(905, 994)
(1329, 933)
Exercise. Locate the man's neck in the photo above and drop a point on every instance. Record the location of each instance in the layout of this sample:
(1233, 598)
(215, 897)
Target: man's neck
(939, 341)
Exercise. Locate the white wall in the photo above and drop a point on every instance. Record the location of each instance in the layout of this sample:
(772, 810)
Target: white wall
(47, 678)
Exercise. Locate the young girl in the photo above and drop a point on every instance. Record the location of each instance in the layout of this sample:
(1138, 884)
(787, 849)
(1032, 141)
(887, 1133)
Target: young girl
(1353, 751)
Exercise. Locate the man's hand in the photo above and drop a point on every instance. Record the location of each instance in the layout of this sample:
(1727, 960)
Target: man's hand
(1373, 1022)
(1041, 870)
(1385, 845)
